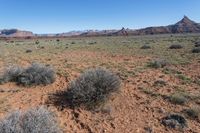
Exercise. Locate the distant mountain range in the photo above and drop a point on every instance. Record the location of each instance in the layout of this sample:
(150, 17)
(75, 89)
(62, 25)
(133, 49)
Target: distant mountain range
(183, 26)
(15, 33)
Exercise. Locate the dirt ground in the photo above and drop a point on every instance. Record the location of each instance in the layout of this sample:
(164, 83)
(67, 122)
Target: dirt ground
(138, 108)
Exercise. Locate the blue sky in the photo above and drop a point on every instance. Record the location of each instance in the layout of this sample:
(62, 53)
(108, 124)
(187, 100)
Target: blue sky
(54, 16)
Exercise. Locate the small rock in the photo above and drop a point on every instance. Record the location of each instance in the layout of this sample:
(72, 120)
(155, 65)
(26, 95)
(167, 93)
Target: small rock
(161, 110)
(106, 110)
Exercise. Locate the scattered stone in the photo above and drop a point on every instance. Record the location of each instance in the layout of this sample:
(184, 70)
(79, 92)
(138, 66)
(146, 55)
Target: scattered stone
(106, 110)
(161, 110)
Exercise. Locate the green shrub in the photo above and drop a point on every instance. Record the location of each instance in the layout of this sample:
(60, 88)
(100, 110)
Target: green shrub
(37, 42)
(185, 79)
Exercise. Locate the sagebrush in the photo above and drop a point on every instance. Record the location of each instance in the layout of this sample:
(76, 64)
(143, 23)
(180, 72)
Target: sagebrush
(196, 50)
(193, 113)
(158, 63)
(178, 98)
(92, 88)
(12, 74)
(35, 74)
(37, 120)
(176, 46)
(146, 47)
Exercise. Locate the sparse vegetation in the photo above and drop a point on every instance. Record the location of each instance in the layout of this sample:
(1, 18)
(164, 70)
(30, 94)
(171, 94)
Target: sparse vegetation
(151, 89)
(91, 43)
(38, 120)
(178, 98)
(193, 112)
(159, 63)
(145, 47)
(41, 47)
(149, 92)
(184, 78)
(92, 88)
(37, 42)
(73, 42)
(160, 82)
(171, 71)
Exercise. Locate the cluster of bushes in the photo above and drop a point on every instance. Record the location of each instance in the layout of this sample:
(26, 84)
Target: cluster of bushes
(90, 90)
(36, 74)
(36, 120)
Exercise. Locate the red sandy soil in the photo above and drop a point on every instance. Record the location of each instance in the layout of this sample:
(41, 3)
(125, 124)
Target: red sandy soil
(130, 111)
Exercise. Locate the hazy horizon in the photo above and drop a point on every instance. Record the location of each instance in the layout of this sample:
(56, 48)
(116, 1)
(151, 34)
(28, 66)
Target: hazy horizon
(42, 17)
